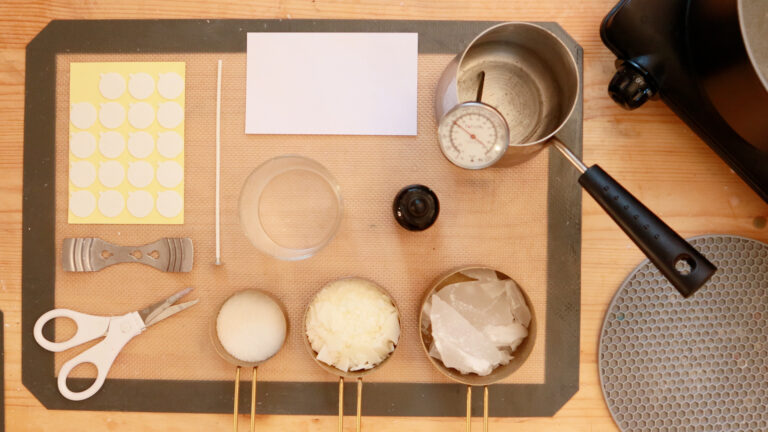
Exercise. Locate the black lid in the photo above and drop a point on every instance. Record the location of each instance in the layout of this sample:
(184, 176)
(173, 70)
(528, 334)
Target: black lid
(416, 207)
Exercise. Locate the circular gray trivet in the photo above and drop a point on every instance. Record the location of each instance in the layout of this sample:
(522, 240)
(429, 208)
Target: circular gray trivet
(698, 364)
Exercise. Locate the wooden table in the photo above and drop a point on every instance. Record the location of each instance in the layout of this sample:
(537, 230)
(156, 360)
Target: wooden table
(651, 151)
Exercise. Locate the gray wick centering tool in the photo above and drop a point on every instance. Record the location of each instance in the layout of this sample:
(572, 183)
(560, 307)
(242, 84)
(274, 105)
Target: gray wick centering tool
(90, 254)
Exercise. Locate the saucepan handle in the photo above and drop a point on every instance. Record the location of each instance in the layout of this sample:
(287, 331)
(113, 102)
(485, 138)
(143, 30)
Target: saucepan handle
(685, 267)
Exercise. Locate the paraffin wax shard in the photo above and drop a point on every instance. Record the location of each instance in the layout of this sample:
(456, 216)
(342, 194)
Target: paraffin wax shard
(477, 325)
(460, 345)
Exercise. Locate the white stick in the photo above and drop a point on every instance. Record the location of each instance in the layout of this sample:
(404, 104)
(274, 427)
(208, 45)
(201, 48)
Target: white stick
(218, 167)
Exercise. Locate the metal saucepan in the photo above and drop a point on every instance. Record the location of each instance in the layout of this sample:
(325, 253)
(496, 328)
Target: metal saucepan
(520, 355)
(529, 75)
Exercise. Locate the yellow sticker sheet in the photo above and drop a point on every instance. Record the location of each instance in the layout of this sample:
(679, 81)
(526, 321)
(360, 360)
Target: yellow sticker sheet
(126, 148)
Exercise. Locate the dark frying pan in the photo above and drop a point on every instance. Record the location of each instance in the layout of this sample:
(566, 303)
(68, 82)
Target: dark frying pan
(729, 44)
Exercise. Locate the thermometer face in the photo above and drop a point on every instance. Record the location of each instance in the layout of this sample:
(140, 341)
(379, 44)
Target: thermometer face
(473, 135)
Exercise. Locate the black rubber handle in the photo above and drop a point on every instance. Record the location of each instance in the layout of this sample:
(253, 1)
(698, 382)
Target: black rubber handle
(683, 266)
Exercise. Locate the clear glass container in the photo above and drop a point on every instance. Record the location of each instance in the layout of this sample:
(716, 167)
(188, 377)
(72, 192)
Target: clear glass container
(290, 207)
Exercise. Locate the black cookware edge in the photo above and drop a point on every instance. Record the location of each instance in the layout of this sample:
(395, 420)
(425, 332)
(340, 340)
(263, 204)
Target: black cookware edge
(306, 398)
(653, 34)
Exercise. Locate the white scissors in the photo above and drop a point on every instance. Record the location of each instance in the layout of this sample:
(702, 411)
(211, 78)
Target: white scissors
(117, 331)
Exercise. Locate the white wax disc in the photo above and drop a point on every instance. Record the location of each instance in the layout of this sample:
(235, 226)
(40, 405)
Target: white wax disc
(111, 115)
(170, 115)
(169, 203)
(82, 203)
(141, 85)
(111, 144)
(140, 203)
(169, 174)
(111, 203)
(140, 144)
(141, 115)
(111, 173)
(140, 174)
(251, 326)
(83, 115)
(170, 85)
(170, 144)
(82, 144)
(112, 85)
(82, 174)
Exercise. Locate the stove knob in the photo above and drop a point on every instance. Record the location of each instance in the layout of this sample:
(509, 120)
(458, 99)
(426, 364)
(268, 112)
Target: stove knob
(629, 87)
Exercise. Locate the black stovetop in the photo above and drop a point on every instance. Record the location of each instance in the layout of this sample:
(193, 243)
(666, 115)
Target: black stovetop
(652, 36)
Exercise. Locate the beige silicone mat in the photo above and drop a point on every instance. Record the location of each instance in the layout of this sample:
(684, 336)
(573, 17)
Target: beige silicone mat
(495, 217)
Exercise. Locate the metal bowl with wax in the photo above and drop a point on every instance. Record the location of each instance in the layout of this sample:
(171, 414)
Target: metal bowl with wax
(277, 310)
(519, 355)
(357, 373)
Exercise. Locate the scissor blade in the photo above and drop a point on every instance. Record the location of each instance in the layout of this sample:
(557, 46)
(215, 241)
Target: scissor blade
(148, 314)
(169, 311)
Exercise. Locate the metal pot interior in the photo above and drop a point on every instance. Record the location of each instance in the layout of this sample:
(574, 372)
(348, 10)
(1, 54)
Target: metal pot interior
(530, 77)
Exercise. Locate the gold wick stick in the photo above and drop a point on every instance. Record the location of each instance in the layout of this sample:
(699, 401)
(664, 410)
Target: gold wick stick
(485, 409)
(359, 401)
(253, 400)
(341, 404)
(237, 395)
(469, 408)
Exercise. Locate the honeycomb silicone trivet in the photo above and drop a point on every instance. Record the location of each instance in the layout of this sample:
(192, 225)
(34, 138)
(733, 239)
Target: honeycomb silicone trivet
(699, 364)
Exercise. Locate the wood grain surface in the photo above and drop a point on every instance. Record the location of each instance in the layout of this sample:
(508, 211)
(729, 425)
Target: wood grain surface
(650, 150)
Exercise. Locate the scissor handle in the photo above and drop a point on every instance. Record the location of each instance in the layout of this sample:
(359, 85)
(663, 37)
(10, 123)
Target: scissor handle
(119, 330)
(89, 327)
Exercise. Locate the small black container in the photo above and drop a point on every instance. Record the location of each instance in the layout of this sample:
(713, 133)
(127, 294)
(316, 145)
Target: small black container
(416, 207)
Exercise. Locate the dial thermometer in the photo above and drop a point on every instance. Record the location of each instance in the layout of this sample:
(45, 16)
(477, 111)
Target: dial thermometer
(473, 135)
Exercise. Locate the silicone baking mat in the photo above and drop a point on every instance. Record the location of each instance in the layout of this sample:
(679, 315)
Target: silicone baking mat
(697, 364)
(524, 221)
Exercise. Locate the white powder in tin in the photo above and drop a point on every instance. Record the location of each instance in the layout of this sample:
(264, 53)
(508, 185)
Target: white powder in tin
(352, 326)
(251, 326)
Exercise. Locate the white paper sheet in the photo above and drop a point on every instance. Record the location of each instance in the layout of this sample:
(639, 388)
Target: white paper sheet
(331, 83)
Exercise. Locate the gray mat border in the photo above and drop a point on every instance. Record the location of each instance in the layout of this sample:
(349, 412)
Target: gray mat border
(304, 398)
